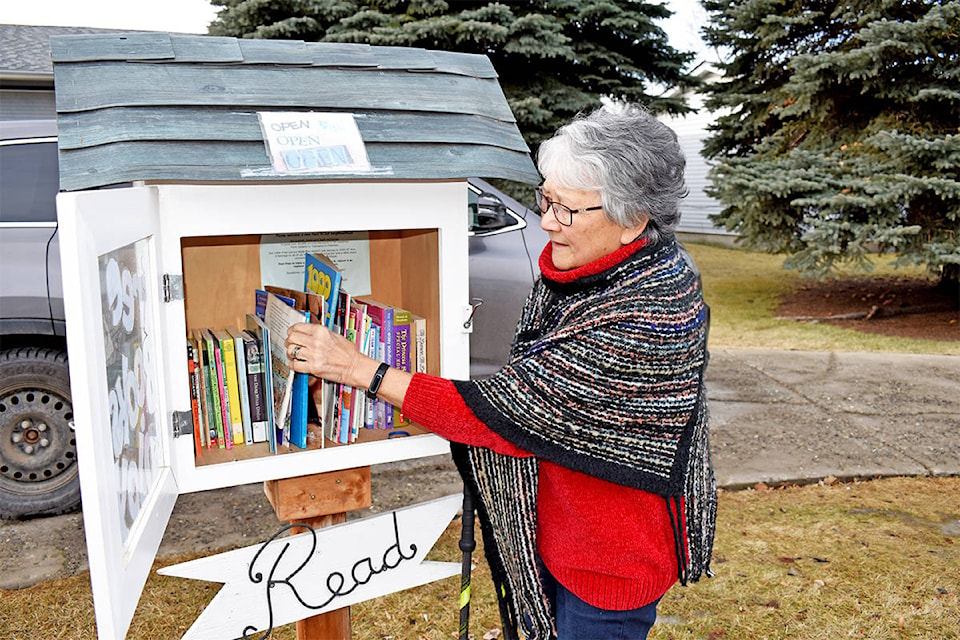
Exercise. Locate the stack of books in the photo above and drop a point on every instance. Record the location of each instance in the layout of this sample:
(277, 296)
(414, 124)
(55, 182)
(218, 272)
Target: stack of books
(242, 390)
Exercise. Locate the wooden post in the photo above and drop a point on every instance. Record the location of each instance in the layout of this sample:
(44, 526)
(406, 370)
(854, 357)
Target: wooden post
(321, 500)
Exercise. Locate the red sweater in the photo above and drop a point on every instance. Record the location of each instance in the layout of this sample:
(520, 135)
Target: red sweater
(610, 545)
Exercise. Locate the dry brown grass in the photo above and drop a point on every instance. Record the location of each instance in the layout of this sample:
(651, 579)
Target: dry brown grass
(878, 560)
(744, 288)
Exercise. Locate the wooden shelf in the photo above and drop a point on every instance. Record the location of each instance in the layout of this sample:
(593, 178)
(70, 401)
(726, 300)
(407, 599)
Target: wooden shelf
(260, 449)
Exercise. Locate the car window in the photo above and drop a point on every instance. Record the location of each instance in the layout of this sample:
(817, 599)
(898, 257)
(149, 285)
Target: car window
(29, 180)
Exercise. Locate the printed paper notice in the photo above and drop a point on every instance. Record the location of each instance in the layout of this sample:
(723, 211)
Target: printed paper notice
(303, 143)
(282, 258)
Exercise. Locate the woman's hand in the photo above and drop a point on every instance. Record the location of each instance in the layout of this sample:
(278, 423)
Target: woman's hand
(314, 349)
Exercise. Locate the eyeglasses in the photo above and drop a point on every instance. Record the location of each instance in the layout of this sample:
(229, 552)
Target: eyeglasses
(561, 212)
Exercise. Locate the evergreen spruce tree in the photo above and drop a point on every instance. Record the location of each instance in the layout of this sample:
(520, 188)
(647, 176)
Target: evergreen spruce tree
(839, 129)
(554, 58)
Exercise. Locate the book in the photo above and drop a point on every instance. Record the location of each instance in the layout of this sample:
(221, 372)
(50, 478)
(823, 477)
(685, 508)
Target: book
(223, 395)
(260, 301)
(255, 385)
(197, 383)
(363, 325)
(322, 277)
(346, 411)
(216, 390)
(206, 396)
(315, 306)
(194, 399)
(290, 411)
(259, 330)
(349, 404)
(373, 351)
(402, 354)
(382, 316)
(336, 394)
(240, 350)
(302, 300)
(231, 383)
(419, 342)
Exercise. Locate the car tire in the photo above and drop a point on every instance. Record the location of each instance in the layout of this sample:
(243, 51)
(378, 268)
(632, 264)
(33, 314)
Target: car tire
(38, 449)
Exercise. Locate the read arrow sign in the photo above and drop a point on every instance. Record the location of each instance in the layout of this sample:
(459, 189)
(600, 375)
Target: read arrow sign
(289, 578)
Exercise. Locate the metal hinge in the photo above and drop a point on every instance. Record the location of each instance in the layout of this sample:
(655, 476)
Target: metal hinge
(172, 287)
(182, 423)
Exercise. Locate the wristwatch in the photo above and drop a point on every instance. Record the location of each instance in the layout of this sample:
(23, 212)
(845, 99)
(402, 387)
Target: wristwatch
(377, 379)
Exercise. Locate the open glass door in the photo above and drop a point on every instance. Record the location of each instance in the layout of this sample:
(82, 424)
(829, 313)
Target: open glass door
(112, 297)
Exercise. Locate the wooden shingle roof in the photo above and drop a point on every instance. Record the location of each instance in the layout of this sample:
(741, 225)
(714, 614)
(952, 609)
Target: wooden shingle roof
(182, 108)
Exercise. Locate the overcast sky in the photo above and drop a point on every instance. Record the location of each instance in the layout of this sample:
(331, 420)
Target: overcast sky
(193, 16)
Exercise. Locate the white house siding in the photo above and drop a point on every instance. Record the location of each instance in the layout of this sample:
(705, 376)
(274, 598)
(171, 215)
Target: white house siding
(691, 131)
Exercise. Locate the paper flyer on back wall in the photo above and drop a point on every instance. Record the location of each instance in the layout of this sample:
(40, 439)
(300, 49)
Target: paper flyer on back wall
(282, 258)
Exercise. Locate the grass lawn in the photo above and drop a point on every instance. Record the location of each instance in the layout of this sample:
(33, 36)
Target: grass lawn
(743, 289)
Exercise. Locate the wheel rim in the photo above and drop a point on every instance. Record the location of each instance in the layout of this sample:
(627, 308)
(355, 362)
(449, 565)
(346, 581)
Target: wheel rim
(37, 444)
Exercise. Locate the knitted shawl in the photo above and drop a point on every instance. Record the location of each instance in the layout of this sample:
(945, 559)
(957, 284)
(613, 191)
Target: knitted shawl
(605, 377)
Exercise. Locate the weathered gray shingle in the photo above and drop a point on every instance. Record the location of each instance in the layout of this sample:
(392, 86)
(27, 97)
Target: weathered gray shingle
(156, 106)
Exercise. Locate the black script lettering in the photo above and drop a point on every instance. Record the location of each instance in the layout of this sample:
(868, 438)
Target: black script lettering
(361, 573)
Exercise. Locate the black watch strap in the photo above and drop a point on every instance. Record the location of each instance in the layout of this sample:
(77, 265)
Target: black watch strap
(377, 379)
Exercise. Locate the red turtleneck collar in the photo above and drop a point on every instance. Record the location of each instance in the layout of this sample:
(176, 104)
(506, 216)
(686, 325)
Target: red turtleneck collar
(600, 265)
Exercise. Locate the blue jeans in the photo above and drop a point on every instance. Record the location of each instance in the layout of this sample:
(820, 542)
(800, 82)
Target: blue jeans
(577, 620)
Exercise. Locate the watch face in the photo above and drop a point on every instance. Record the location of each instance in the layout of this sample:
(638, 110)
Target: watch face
(377, 379)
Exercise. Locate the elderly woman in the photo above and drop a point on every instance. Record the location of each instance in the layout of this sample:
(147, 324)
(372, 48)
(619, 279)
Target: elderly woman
(587, 454)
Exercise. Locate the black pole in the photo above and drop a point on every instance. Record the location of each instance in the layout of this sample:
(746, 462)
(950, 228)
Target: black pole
(467, 545)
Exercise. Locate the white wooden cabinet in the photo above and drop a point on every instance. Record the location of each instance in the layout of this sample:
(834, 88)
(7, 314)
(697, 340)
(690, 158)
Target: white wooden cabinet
(126, 337)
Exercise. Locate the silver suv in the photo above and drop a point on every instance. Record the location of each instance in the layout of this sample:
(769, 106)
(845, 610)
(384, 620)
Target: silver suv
(38, 462)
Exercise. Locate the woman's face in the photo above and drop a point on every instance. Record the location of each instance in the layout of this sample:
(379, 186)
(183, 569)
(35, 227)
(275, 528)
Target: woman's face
(590, 237)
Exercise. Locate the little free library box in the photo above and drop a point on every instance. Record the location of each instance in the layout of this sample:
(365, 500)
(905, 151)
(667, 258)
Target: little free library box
(197, 170)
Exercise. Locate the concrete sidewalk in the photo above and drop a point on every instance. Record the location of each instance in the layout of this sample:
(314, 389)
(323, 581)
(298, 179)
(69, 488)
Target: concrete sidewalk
(799, 416)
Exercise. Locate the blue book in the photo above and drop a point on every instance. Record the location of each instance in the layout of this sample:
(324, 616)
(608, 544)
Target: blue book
(260, 304)
(294, 424)
(323, 278)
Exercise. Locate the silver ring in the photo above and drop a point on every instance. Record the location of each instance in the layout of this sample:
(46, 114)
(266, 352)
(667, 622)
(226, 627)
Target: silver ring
(296, 350)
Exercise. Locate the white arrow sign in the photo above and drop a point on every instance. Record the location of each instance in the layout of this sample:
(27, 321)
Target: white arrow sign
(289, 578)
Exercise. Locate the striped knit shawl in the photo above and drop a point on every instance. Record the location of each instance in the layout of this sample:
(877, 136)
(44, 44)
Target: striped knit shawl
(606, 378)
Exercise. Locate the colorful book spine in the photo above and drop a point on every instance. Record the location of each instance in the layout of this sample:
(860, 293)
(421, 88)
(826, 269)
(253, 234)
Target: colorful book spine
(360, 398)
(420, 342)
(257, 327)
(224, 396)
(212, 440)
(194, 399)
(260, 303)
(373, 351)
(255, 386)
(402, 353)
(346, 404)
(204, 405)
(231, 383)
(383, 317)
(348, 398)
(239, 349)
(216, 390)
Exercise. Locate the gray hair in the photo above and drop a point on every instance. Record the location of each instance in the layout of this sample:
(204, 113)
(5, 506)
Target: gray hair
(630, 157)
